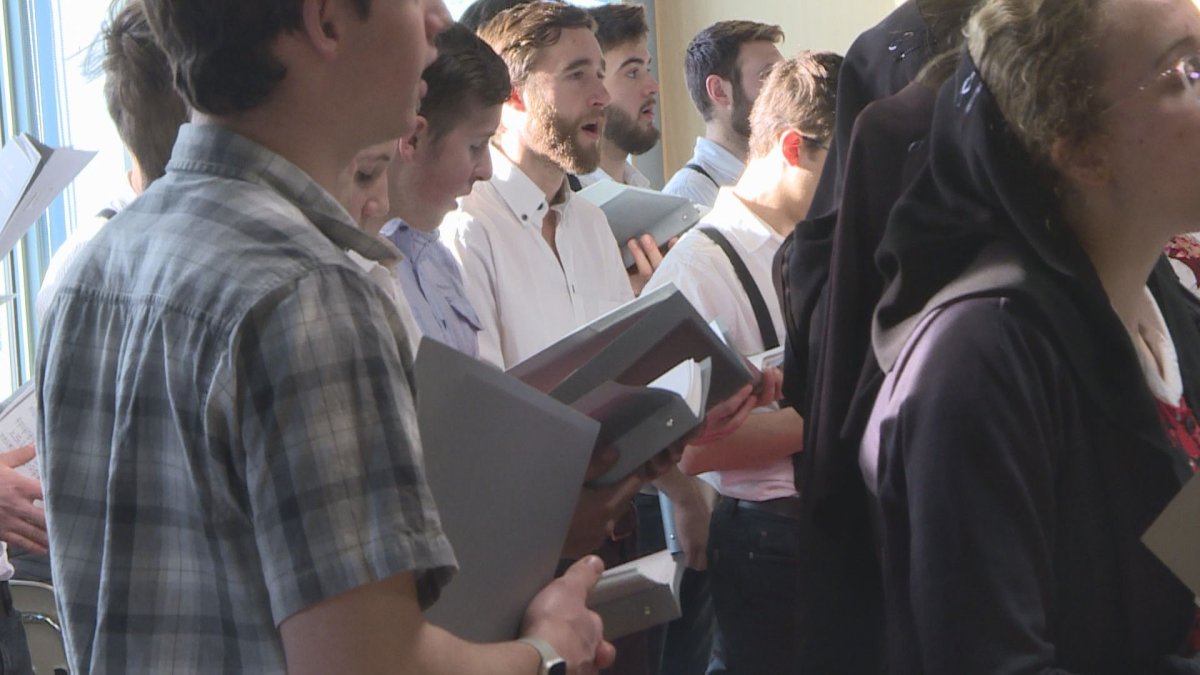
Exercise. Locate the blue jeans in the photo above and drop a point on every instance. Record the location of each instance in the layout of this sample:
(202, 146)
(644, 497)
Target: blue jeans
(683, 646)
(754, 572)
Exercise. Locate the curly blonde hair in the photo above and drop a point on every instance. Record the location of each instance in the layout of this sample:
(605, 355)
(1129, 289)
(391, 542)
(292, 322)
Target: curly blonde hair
(1040, 60)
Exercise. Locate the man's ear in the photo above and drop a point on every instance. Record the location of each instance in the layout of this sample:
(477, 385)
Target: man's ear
(1081, 161)
(792, 144)
(406, 147)
(516, 98)
(720, 91)
(321, 24)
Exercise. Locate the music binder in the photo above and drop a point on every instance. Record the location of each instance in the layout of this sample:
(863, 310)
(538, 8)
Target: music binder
(505, 464)
(604, 369)
(32, 175)
(1173, 536)
(633, 211)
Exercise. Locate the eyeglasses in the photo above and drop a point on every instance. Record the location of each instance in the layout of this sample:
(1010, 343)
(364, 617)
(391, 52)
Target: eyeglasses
(1185, 73)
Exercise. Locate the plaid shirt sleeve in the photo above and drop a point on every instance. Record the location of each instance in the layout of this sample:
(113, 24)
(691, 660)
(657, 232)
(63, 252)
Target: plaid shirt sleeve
(325, 415)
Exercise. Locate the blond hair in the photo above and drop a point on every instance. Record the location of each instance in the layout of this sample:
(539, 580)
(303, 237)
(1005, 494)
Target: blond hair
(799, 93)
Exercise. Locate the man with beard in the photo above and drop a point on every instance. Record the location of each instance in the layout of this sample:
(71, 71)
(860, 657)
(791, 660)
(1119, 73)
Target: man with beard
(537, 261)
(683, 646)
(629, 119)
(725, 66)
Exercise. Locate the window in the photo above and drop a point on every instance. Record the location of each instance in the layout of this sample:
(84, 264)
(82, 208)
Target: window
(45, 91)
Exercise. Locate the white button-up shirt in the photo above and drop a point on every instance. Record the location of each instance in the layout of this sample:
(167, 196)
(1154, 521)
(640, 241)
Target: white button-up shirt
(721, 164)
(526, 297)
(703, 273)
(630, 176)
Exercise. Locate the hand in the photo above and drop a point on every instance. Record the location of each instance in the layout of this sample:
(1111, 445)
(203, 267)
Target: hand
(646, 259)
(692, 514)
(598, 508)
(559, 615)
(729, 415)
(22, 523)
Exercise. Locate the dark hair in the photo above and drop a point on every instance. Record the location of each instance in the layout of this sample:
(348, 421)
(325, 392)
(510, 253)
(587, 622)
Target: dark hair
(466, 73)
(518, 34)
(800, 93)
(482, 11)
(619, 24)
(137, 90)
(220, 50)
(714, 51)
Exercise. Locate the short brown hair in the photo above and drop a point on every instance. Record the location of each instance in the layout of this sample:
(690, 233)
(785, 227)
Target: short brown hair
(220, 50)
(800, 93)
(466, 73)
(1039, 59)
(714, 51)
(619, 24)
(520, 33)
(138, 91)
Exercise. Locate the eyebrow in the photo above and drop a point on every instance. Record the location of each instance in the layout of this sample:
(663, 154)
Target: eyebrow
(582, 62)
(631, 60)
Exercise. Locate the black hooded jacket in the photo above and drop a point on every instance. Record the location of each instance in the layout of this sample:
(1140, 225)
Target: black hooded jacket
(1021, 453)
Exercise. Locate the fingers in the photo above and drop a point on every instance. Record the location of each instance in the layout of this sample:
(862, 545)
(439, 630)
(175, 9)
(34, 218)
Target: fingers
(606, 654)
(28, 488)
(640, 261)
(582, 576)
(602, 460)
(17, 456)
(653, 255)
(621, 494)
(30, 536)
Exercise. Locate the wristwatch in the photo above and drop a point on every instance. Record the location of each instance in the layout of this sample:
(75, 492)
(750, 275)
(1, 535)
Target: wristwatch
(552, 663)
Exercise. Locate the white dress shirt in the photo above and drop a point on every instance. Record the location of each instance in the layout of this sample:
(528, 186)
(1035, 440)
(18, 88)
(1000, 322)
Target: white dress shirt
(526, 297)
(721, 164)
(631, 176)
(703, 273)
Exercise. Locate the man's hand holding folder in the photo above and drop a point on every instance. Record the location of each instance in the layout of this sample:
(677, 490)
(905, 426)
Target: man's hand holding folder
(599, 508)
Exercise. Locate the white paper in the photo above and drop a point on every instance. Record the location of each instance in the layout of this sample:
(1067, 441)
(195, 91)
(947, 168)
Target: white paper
(32, 175)
(18, 426)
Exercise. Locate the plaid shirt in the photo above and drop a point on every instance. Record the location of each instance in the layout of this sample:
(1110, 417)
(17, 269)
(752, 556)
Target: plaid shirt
(227, 427)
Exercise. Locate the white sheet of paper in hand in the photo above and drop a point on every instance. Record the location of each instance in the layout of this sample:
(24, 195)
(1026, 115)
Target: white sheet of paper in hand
(40, 173)
(1175, 535)
(18, 426)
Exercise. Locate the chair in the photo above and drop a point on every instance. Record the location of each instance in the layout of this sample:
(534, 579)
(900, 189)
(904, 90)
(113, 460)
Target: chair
(35, 601)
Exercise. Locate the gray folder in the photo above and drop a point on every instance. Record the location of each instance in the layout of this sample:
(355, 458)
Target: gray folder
(634, 211)
(505, 463)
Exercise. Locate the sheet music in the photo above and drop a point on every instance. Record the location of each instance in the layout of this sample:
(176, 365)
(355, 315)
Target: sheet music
(18, 426)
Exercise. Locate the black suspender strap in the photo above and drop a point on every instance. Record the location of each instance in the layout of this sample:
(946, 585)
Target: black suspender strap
(700, 170)
(766, 327)
(574, 183)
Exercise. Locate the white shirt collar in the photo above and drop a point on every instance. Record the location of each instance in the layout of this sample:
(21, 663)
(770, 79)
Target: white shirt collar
(519, 192)
(1156, 350)
(738, 221)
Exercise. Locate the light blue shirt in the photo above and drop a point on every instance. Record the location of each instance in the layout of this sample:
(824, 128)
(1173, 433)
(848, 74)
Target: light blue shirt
(723, 169)
(432, 283)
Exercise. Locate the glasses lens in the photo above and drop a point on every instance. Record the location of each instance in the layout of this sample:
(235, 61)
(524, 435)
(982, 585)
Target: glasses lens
(1189, 70)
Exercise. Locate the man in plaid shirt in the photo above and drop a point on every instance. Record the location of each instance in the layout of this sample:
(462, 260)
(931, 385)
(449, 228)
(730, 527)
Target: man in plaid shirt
(227, 431)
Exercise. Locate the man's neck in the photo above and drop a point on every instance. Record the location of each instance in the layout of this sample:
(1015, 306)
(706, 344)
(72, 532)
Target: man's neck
(720, 133)
(760, 189)
(544, 173)
(612, 160)
(291, 136)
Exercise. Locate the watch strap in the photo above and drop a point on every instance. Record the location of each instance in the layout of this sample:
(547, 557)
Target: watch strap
(552, 663)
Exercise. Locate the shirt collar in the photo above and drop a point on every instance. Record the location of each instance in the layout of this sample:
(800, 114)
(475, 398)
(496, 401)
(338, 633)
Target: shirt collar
(737, 220)
(218, 151)
(410, 241)
(723, 164)
(520, 193)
